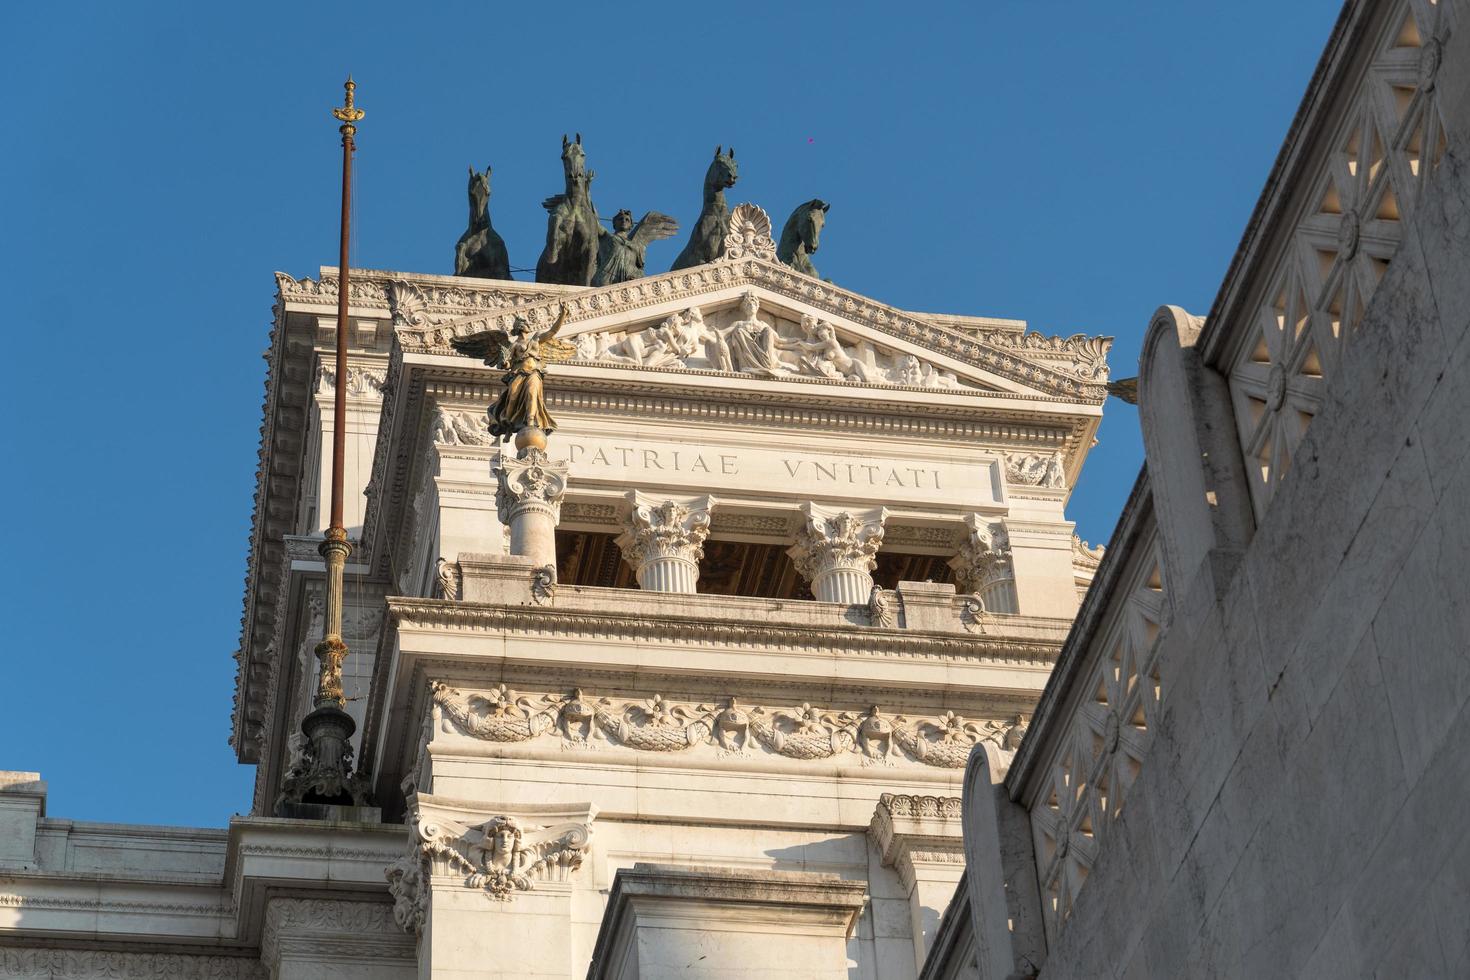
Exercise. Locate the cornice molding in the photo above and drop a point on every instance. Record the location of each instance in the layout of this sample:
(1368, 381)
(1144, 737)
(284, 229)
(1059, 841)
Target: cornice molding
(446, 616)
(1001, 353)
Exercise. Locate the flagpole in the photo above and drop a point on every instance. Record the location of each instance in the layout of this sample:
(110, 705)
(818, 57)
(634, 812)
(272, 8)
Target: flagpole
(323, 774)
(335, 548)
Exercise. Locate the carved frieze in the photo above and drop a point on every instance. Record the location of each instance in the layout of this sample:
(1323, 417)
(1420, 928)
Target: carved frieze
(362, 382)
(454, 428)
(659, 724)
(1069, 367)
(1036, 470)
(88, 964)
(747, 341)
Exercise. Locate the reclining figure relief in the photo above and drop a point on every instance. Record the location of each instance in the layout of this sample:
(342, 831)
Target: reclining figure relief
(750, 343)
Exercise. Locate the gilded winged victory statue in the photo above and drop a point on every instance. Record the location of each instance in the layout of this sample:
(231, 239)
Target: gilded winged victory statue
(523, 354)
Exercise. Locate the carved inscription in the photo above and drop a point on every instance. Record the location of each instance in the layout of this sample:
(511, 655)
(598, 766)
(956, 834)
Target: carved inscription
(653, 464)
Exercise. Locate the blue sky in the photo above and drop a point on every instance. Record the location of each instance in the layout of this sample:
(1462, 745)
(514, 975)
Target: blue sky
(1074, 164)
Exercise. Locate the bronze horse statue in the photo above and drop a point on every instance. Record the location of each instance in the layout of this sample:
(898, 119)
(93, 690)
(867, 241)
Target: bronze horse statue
(480, 252)
(707, 240)
(802, 235)
(570, 256)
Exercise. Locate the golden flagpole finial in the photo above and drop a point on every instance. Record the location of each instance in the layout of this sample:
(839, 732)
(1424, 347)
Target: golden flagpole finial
(349, 113)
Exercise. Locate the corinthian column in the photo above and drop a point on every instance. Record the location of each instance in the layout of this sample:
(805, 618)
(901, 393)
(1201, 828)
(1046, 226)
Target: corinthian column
(983, 565)
(834, 552)
(528, 499)
(664, 541)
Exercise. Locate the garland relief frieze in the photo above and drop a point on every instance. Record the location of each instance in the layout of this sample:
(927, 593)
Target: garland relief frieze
(734, 729)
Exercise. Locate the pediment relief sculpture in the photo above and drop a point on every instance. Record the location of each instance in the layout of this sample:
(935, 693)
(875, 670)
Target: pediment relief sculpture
(748, 340)
(1073, 367)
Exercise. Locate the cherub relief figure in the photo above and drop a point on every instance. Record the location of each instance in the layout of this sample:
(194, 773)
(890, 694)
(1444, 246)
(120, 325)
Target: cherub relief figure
(621, 252)
(824, 355)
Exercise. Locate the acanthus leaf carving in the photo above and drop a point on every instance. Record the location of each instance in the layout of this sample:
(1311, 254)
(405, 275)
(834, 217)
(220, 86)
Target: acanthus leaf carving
(529, 480)
(836, 541)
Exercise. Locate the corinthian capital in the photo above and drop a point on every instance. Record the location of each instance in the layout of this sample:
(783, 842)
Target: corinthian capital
(530, 481)
(835, 551)
(983, 564)
(664, 540)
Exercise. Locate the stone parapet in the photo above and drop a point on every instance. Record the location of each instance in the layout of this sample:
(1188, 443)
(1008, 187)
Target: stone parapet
(666, 920)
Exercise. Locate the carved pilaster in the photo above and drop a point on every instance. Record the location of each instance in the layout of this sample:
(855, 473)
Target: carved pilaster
(920, 838)
(835, 551)
(983, 565)
(528, 498)
(664, 540)
(357, 938)
(457, 848)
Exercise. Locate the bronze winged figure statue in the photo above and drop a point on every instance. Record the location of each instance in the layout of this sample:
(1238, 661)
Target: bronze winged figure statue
(622, 251)
(523, 353)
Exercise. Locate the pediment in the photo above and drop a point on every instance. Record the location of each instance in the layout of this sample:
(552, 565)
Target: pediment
(692, 320)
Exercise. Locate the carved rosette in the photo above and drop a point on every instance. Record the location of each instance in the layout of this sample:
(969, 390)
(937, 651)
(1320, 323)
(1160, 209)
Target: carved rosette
(750, 234)
(664, 542)
(657, 724)
(835, 552)
(529, 483)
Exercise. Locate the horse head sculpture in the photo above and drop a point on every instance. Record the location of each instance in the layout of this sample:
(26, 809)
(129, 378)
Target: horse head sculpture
(707, 239)
(480, 252)
(722, 172)
(572, 230)
(802, 235)
(573, 159)
(479, 193)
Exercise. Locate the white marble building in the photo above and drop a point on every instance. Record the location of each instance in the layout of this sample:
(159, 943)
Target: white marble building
(1250, 760)
(810, 552)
